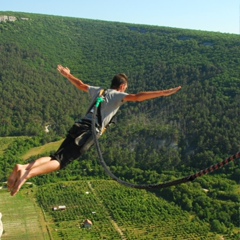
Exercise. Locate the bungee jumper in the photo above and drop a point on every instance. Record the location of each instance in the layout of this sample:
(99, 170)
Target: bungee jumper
(80, 136)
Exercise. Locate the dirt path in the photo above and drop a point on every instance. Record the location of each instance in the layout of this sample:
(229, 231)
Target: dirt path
(115, 225)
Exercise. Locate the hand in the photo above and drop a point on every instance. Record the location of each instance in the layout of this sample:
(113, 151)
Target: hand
(63, 70)
(171, 91)
(174, 90)
(177, 89)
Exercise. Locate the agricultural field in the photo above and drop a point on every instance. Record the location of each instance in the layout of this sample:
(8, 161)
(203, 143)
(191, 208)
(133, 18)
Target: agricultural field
(41, 149)
(22, 217)
(117, 212)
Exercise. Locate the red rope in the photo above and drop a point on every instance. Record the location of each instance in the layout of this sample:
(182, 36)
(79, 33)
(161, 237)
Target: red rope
(214, 167)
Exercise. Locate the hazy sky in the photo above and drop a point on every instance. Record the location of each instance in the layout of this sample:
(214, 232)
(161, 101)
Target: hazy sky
(210, 15)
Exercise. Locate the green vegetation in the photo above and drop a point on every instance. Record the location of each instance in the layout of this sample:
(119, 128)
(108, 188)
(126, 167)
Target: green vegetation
(22, 218)
(139, 214)
(44, 149)
(204, 209)
(155, 141)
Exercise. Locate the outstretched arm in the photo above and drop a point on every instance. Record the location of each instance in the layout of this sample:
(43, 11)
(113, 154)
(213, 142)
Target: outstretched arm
(143, 96)
(75, 81)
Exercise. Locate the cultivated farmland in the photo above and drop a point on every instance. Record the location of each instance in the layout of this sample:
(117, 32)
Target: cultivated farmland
(117, 212)
(22, 218)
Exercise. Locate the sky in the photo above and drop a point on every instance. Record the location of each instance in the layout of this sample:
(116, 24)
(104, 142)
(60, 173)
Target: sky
(206, 15)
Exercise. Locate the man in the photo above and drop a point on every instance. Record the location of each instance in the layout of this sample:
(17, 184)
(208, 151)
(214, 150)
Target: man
(79, 138)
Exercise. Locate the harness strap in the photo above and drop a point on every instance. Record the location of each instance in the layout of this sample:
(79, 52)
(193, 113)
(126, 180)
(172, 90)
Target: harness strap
(98, 99)
(101, 93)
(97, 104)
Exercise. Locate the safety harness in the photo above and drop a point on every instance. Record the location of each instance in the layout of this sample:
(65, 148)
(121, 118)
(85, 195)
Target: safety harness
(97, 102)
(85, 138)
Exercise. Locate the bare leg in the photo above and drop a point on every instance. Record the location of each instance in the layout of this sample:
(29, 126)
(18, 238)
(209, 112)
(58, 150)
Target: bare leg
(24, 174)
(38, 162)
(13, 177)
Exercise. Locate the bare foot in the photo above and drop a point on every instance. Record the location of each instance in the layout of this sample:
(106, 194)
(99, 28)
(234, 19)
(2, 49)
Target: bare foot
(13, 177)
(20, 180)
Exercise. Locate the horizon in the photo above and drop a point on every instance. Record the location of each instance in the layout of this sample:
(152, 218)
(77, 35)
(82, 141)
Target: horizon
(214, 16)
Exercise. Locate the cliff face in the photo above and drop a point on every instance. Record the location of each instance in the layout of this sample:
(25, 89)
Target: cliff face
(5, 18)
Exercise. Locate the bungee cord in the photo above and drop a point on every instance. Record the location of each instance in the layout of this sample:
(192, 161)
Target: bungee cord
(151, 186)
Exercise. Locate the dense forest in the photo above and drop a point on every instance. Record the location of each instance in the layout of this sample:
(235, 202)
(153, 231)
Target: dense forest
(168, 137)
(195, 127)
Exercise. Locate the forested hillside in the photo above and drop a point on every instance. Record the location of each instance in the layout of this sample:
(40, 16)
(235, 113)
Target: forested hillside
(201, 121)
(152, 141)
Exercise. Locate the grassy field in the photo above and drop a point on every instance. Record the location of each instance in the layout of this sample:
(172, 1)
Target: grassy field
(22, 218)
(42, 149)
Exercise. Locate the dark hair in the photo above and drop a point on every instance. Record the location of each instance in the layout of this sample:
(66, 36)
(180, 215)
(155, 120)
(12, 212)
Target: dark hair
(118, 80)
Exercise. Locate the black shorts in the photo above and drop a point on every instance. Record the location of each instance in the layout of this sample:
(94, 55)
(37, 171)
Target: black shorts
(78, 140)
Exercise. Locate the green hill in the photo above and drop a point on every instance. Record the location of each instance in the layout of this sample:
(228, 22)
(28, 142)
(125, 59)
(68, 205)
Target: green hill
(201, 121)
(153, 141)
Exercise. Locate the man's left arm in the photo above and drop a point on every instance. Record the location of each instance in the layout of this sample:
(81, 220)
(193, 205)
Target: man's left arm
(75, 81)
(144, 96)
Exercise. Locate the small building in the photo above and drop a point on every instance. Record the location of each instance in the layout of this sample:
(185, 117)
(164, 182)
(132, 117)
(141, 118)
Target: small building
(87, 223)
(59, 208)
